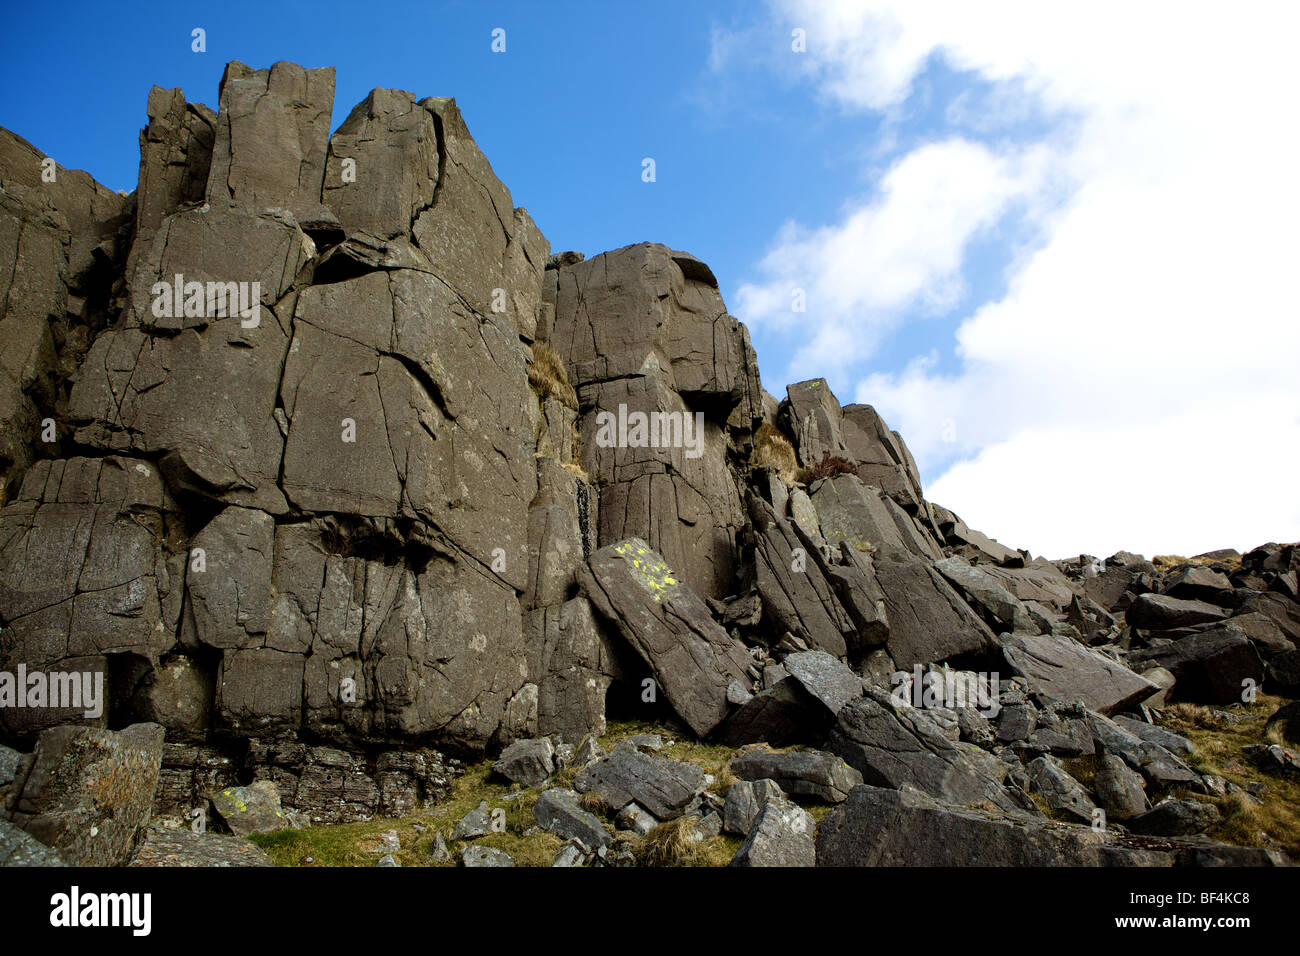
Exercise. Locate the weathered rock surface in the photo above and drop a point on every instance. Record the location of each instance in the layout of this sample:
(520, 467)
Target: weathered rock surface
(182, 847)
(251, 809)
(781, 835)
(87, 793)
(559, 812)
(904, 827)
(1066, 670)
(807, 773)
(663, 787)
(890, 746)
(692, 659)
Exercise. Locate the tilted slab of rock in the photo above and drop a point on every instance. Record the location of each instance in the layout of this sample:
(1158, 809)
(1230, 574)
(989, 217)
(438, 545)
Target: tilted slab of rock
(985, 592)
(825, 678)
(809, 773)
(691, 657)
(904, 827)
(1064, 669)
(561, 813)
(662, 786)
(1211, 667)
(272, 132)
(864, 518)
(889, 745)
(87, 792)
(1161, 611)
(796, 595)
(928, 620)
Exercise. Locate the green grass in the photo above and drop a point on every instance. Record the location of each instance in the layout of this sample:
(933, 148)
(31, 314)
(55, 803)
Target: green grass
(358, 844)
(1272, 822)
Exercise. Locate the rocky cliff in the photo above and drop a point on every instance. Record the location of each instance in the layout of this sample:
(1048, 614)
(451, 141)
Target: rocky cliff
(314, 451)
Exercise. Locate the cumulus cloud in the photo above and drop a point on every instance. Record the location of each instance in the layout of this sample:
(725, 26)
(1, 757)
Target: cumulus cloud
(1136, 384)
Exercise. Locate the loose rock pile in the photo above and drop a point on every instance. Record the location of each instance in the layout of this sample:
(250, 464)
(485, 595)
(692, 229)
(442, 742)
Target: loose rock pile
(335, 477)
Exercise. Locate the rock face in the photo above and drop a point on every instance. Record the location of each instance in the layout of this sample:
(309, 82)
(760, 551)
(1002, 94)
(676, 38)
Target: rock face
(87, 793)
(880, 827)
(316, 467)
(689, 655)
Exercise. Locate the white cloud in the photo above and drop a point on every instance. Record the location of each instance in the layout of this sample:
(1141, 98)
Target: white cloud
(1136, 385)
(901, 250)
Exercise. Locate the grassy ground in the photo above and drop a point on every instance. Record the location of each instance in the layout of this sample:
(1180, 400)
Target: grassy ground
(1270, 820)
(359, 844)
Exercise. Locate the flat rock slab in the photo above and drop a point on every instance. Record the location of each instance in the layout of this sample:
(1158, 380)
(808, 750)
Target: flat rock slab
(810, 773)
(1161, 612)
(824, 677)
(880, 827)
(559, 812)
(692, 658)
(1064, 669)
(163, 847)
(662, 786)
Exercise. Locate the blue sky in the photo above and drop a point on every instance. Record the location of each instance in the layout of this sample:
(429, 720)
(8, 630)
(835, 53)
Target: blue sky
(1040, 244)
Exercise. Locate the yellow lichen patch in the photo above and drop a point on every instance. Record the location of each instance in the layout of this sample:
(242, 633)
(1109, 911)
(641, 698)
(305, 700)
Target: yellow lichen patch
(650, 570)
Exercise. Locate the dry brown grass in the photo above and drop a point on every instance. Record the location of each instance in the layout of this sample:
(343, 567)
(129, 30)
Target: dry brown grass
(1165, 562)
(1273, 821)
(548, 377)
(771, 447)
(673, 844)
(828, 467)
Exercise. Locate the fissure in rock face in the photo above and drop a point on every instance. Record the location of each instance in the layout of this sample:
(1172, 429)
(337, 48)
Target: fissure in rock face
(373, 508)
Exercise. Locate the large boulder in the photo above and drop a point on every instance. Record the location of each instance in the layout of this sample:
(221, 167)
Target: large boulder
(87, 792)
(808, 773)
(904, 827)
(1066, 670)
(928, 620)
(1162, 612)
(797, 596)
(690, 657)
(1214, 666)
(891, 744)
